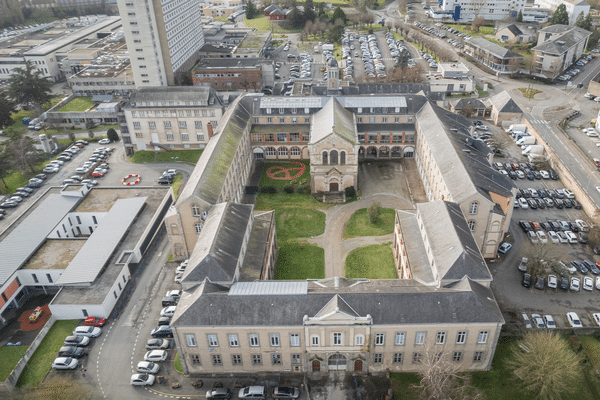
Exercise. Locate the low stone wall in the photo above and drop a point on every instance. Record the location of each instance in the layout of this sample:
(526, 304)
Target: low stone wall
(12, 379)
(564, 174)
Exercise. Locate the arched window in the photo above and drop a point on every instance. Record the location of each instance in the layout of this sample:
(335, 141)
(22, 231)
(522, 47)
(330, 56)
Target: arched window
(324, 158)
(333, 156)
(342, 157)
(473, 208)
(195, 210)
(471, 225)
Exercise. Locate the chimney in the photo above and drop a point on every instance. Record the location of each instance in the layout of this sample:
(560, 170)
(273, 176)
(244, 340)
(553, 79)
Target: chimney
(210, 129)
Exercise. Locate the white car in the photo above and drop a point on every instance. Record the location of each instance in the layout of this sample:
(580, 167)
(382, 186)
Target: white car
(142, 379)
(553, 237)
(552, 281)
(569, 193)
(549, 321)
(574, 320)
(89, 331)
(583, 226)
(156, 355)
(104, 141)
(147, 367)
(180, 269)
(504, 248)
(542, 236)
(538, 321)
(65, 363)
(545, 174)
(527, 321)
(533, 237)
(588, 283)
(168, 311)
(174, 293)
(523, 203)
(575, 282)
(598, 282)
(596, 318)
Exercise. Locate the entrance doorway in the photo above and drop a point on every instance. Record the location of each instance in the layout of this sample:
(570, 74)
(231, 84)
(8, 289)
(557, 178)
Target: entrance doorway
(358, 366)
(316, 366)
(336, 362)
(334, 187)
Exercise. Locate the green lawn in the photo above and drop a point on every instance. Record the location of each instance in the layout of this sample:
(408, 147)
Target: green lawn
(296, 222)
(262, 23)
(177, 181)
(10, 356)
(483, 30)
(142, 156)
(500, 383)
(371, 262)
(403, 385)
(300, 261)
(77, 104)
(273, 201)
(191, 156)
(359, 224)
(177, 364)
(40, 362)
(303, 179)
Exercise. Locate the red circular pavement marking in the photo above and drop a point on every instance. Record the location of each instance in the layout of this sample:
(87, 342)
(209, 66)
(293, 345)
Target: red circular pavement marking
(271, 172)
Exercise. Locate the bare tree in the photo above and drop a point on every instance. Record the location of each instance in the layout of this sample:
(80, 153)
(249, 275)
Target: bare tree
(23, 155)
(540, 257)
(546, 365)
(477, 22)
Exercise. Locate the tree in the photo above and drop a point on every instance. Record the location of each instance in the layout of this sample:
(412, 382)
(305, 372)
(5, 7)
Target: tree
(23, 154)
(584, 22)
(309, 11)
(520, 16)
(477, 22)
(594, 236)
(540, 257)
(27, 86)
(545, 364)
(560, 16)
(112, 135)
(374, 211)
(72, 136)
(403, 59)
(593, 39)
(335, 34)
(338, 13)
(251, 10)
(7, 108)
(4, 164)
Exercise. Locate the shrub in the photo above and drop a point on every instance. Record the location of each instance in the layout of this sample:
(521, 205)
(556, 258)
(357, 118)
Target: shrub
(268, 189)
(374, 211)
(350, 192)
(288, 188)
(112, 135)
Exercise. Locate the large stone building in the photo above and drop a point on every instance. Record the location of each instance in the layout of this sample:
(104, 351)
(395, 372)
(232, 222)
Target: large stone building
(443, 308)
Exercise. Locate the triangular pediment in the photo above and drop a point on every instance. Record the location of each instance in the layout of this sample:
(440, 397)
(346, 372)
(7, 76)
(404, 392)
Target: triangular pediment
(337, 309)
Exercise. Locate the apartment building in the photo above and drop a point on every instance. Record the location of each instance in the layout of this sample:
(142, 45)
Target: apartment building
(498, 59)
(467, 11)
(558, 47)
(163, 38)
(173, 118)
(574, 7)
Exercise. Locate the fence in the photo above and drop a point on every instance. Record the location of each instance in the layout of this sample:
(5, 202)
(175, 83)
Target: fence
(13, 378)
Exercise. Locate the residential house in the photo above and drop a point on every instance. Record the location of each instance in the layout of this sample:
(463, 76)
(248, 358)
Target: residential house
(512, 34)
(470, 108)
(558, 47)
(497, 58)
(503, 108)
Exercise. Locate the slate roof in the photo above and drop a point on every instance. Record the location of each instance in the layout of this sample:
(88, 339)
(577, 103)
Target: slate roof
(202, 94)
(514, 30)
(493, 48)
(416, 252)
(218, 249)
(504, 103)
(453, 249)
(208, 177)
(387, 302)
(257, 249)
(333, 119)
(570, 36)
(460, 104)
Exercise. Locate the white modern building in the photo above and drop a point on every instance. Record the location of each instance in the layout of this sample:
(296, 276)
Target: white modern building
(163, 38)
(467, 11)
(574, 7)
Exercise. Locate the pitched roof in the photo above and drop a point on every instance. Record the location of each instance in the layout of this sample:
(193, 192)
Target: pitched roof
(493, 48)
(336, 304)
(217, 252)
(208, 177)
(460, 104)
(387, 302)
(504, 103)
(333, 119)
(571, 36)
(514, 30)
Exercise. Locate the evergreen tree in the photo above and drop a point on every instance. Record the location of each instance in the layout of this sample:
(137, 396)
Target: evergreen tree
(7, 107)
(321, 9)
(27, 86)
(250, 10)
(338, 13)
(309, 11)
(520, 16)
(560, 16)
(112, 135)
(584, 23)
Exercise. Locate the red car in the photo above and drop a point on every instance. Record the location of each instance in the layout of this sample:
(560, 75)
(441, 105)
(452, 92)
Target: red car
(98, 174)
(94, 321)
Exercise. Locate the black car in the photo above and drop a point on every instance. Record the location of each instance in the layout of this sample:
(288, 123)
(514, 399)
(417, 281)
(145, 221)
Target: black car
(564, 284)
(567, 203)
(532, 204)
(580, 267)
(71, 351)
(525, 226)
(583, 239)
(576, 204)
(164, 321)
(574, 226)
(512, 174)
(558, 203)
(526, 282)
(162, 331)
(542, 193)
(546, 226)
(555, 226)
(531, 166)
(41, 176)
(2, 211)
(539, 284)
(529, 175)
(591, 266)
(553, 174)
(540, 203)
(164, 180)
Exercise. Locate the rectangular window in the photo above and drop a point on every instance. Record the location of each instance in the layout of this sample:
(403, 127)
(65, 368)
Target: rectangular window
(35, 278)
(151, 124)
(337, 339)
(461, 337)
(478, 356)
(213, 341)
(195, 358)
(314, 340)
(483, 337)
(417, 358)
(359, 120)
(200, 137)
(216, 360)
(282, 137)
(182, 124)
(296, 359)
(167, 124)
(170, 137)
(378, 358)
(398, 358)
(269, 120)
(379, 339)
(185, 137)
(256, 359)
(400, 336)
(457, 356)
(137, 125)
(190, 339)
(253, 338)
(360, 340)
(198, 124)
(294, 339)
(236, 359)
(420, 337)
(397, 120)
(276, 359)
(233, 341)
(49, 277)
(440, 338)
(274, 339)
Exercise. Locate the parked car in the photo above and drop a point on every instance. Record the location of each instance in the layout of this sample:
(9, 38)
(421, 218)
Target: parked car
(157, 344)
(527, 321)
(79, 341)
(176, 294)
(89, 331)
(539, 283)
(147, 367)
(538, 321)
(549, 321)
(104, 141)
(526, 282)
(574, 320)
(596, 317)
(575, 282)
(552, 281)
(94, 321)
(156, 355)
(65, 363)
(71, 351)
(504, 248)
(142, 379)
(162, 331)
(219, 393)
(252, 392)
(588, 283)
(564, 283)
(168, 311)
(286, 392)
